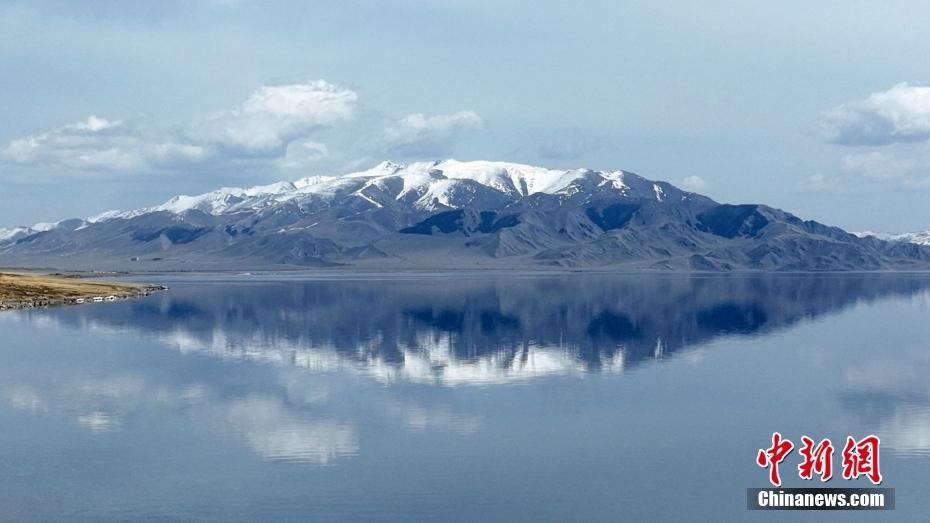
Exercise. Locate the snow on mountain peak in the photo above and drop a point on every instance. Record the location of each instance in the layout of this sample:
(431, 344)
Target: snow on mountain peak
(10, 235)
(44, 226)
(422, 185)
(432, 181)
(920, 238)
(14, 233)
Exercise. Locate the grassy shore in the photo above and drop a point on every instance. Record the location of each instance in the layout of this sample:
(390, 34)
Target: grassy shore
(24, 291)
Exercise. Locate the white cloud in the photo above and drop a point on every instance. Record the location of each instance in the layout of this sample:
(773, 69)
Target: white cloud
(418, 134)
(693, 183)
(276, 127)
(900, 165)
(97, 144)
(899, 115)
(303, 153)
(881, 165)
(265, 124)
(93, 123)
(112, 158)
(273, 116)
(170, 153)
(25, 149)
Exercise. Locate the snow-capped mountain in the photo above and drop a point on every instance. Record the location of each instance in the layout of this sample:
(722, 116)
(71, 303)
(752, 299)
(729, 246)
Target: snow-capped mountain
(453, 214)
(425, 186)
(10, 235)
(920, 238)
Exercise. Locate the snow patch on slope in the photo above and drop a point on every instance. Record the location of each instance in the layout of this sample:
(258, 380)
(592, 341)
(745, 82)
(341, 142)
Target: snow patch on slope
(920, 238)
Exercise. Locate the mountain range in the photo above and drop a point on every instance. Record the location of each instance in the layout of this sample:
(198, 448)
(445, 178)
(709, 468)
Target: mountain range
(452, 214)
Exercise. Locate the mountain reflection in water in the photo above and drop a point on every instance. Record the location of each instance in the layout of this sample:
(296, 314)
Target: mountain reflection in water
(481, 329)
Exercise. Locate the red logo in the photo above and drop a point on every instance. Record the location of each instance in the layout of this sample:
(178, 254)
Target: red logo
(773, 456)
(817, 460)
(860, 458)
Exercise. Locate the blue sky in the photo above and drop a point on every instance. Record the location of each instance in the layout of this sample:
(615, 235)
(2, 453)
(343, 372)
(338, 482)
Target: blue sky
(815, 107)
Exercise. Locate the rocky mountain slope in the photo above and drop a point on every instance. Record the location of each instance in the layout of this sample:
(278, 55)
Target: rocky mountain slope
(455, 214)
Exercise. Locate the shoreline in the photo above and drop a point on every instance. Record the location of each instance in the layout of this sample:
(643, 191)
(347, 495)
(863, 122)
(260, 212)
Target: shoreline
(19, 291)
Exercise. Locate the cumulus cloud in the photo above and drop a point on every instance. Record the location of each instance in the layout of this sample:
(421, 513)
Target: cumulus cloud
(273, 116)
(890, 135)
(276, 127)
(899, 115)
(418, 134)
(99, 144)
(693, 183)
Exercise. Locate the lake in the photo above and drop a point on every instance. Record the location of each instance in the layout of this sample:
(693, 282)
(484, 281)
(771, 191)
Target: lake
(467, 396)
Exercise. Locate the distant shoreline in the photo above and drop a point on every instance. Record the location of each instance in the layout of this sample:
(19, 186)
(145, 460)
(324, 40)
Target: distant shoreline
(28, 290)
(83, 274)
(350, 270)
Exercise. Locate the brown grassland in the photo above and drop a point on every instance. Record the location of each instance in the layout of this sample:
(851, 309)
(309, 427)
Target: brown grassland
(21, 290)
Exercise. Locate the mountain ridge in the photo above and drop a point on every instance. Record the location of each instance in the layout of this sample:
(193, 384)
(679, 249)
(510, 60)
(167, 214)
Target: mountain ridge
(920, 237)
(477, 214)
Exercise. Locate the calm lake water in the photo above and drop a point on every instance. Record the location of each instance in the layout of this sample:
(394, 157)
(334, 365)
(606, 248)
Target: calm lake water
(458, 397)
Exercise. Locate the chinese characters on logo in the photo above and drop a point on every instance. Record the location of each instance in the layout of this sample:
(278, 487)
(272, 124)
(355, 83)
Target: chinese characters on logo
(817, 460)
(860, 458)
(773, 456)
